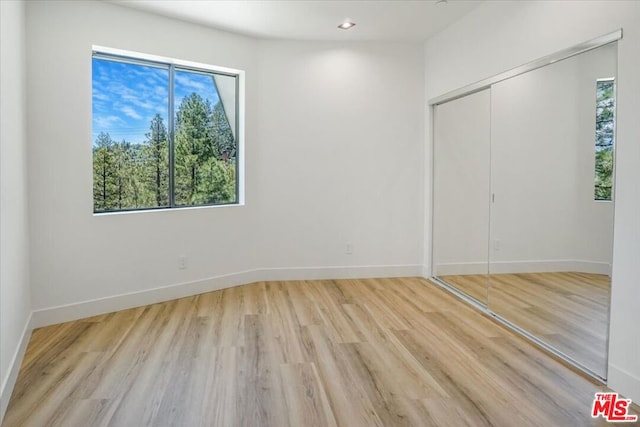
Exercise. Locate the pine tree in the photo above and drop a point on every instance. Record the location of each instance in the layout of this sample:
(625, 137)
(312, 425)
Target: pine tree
(217, 183)
(194, 147)
(129, 176)
(222, 133)
(104, 176)
(138, 195)
(123, 175)
(156, 163)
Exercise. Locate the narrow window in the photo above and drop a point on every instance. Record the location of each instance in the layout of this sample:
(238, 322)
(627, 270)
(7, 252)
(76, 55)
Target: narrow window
(164, 135)
(605, 138)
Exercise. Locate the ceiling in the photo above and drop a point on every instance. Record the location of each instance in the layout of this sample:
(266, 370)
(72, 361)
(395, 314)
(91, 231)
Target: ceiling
(382, 20)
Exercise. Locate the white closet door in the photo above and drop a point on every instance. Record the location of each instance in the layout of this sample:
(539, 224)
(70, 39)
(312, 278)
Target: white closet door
(551, 240)
(461, 188)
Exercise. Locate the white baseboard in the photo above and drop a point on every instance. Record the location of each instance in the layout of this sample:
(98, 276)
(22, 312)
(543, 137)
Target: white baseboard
(550, 266)
(461, 268)
(94, 307)
(327, 273)
(14, 367)
(624, 383)
(79, 310)
(525, 266)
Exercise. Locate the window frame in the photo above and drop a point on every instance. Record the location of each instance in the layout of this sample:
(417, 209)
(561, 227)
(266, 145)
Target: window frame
(172, 65)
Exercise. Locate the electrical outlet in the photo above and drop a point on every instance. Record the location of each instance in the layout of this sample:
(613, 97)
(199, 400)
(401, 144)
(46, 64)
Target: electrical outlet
(496, 244)
(182, 262)
(348, 248)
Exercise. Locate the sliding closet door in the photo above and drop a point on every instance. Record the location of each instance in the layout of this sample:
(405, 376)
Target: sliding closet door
(551, 217)
(461, 193)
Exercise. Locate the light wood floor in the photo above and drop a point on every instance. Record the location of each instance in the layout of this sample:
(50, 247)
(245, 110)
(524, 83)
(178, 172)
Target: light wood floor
(474, 285)
(567, 310)
(379, 352)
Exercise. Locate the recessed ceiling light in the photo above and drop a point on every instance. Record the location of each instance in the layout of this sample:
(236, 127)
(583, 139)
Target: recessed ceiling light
(347, 24)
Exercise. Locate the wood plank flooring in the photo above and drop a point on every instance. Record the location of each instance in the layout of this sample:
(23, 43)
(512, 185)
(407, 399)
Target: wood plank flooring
(376, 352)
(474, 285)
(568, 310)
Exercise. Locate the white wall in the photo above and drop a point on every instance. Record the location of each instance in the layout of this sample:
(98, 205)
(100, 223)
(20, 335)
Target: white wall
(501, 35)
(77, 256)
(340, 152)
(15, 304)
(333, 153)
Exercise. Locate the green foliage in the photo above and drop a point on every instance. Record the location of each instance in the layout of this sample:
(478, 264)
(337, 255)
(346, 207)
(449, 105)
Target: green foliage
(104, 177)
(605, 135)
(222, 134)
(203, 144)
(134, 176)
(117, 172)
(155, 164)
(604, 174)
(216, 183)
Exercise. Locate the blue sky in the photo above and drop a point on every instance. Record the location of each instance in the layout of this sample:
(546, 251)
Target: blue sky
(127, 96)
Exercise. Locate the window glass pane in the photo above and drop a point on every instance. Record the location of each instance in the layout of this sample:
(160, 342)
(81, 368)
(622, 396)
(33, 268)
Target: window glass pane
(136, 111)
(605, 134)
(130, 144)
(205, 142)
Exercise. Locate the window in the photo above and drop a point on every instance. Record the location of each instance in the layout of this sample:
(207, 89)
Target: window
(165, 134)
(605, 138)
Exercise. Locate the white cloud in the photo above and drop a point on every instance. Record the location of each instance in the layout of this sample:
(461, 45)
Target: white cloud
(160, 91)
(99, 95)
(105, 122)
(135, 100)
(138, 98)
(184, 80)
(130, 112)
